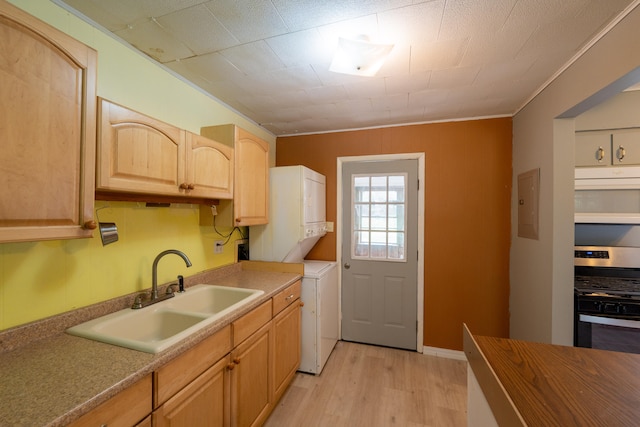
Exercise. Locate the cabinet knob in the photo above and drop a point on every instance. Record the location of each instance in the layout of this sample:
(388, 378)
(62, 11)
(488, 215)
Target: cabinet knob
(184, 186)
(230, 366)
(620, 153)
(301, 304)
(90, 225)
(190, 186)
(600, 154)
(236, 360)
(238, 219)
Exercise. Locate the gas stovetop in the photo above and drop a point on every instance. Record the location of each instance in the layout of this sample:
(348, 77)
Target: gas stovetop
(607, 271)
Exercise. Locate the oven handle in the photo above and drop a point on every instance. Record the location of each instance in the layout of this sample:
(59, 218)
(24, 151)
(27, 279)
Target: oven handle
(610, 321)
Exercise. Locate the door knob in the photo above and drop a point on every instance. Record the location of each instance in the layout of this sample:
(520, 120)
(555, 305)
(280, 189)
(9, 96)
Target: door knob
(347, 265)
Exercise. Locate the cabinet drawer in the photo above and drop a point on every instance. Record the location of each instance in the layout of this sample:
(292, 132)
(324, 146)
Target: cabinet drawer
(126, 408)
(251, 322)
(286, 297)
(173, 376)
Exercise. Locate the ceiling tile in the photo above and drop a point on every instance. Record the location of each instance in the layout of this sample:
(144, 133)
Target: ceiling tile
(437, 55)
(149, 37)
(198, 29)
(248, 20)
(467, 18)
(269, 59)
(302, 48)
(253, 58)
(453, 77)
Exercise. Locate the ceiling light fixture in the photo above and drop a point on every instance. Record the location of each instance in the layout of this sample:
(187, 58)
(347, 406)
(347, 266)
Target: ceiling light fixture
(359, 56)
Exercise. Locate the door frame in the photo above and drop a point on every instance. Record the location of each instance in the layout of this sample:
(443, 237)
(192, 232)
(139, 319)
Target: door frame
(420, 157)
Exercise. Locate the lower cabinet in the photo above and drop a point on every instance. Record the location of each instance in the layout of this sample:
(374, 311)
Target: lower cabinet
(201, 403)
(127, 408)
(286, 339)
(236, 376)
(251, 390)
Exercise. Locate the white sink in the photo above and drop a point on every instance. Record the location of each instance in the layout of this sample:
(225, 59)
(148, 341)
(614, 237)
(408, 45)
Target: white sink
(154, 328)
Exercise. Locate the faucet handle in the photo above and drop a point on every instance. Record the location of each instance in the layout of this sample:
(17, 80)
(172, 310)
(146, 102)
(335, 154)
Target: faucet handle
(137, 303)
(170, 290)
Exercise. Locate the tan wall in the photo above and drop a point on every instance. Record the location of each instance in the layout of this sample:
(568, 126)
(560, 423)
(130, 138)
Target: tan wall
(467, 214)
(542, 270)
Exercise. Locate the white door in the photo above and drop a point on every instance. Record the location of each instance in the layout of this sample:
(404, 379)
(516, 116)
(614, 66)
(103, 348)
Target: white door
(380, 252)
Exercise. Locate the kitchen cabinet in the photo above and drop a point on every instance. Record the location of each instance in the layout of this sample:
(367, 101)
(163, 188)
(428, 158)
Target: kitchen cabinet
(236, 376)
(200, 403)
(620, 147)
(184, 369)
(127, 408)
(142, 155)
(47, 129)
(251, 389)
(250, 205)
(286, 338)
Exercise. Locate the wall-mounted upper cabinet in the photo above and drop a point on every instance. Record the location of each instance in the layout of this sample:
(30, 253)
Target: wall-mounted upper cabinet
(250, 204)
(47, 131)
(141, 155)
(608, 148)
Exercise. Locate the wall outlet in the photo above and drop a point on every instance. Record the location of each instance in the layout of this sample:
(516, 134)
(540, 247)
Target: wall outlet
(218, 246)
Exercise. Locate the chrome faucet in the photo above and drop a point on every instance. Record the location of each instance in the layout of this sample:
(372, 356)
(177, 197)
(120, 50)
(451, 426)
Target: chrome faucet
(139, 303)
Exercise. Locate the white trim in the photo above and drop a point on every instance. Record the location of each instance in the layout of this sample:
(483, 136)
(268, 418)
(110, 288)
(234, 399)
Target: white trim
(421, 176)
(396, 125)
(444, 352)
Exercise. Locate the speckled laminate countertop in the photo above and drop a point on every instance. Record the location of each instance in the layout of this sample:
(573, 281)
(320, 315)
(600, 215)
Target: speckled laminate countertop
(49, 378)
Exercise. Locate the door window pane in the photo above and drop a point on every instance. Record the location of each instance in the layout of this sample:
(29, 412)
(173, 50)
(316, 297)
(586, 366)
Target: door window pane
(378, 219)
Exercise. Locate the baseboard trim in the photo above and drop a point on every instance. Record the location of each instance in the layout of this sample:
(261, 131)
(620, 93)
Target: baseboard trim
(444, 352)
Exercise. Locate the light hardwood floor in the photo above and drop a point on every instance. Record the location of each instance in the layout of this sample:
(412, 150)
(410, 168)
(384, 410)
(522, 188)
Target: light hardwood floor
(363, 385)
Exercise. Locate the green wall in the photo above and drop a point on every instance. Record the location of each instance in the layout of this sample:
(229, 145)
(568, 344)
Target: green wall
(41, 279)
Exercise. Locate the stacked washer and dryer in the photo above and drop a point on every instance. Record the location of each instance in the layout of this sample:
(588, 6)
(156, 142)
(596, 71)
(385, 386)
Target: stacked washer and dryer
(297, 220)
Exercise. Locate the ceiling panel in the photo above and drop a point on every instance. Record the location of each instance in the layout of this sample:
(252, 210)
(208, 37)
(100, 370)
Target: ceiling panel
(269, 59)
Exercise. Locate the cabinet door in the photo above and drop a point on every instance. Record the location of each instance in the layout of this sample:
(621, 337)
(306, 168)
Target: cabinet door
(593, 148)
(47, 131)
(209, 168)
(137, 153)
(202, 403)
(626, 147)
(251, 381)
(286, 347)
(251, 194)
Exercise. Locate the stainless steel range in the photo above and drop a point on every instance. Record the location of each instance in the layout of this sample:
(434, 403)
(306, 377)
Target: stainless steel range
(607, 298)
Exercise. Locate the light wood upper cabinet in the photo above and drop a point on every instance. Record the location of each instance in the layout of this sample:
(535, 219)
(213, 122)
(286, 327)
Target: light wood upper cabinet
(143, 155)
(47, 131)
(209, 167)
(250, 204)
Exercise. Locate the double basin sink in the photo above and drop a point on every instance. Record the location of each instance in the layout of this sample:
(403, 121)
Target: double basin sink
(157, 327)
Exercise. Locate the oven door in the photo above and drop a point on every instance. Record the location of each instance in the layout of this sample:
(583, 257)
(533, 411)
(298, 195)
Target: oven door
(608, 333)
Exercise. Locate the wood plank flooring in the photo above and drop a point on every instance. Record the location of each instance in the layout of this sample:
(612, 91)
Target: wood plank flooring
(363, 385)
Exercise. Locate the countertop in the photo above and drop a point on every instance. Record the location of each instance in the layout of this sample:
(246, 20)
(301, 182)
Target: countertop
(50, 378)
(535, 384)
